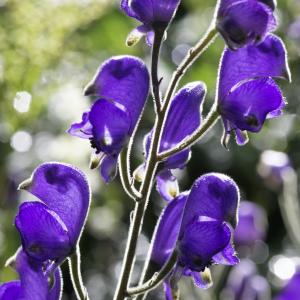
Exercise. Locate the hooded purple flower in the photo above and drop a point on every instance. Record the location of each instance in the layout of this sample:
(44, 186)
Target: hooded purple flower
(292, 290)
(33, 283)
(252, 224)
(247, 94)
(198, 225)
(244, 283)
(51, 227)
(183, 119)
(122, 85)
(151, 13)
(245, 22)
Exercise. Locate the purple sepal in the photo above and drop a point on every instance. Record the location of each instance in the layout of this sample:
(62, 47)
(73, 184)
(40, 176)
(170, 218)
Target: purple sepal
(167, 185)
(33, 284)
(151, 13)
(65, 195)
(244, 22)
(108, 168)
(82, 129)
(227, 256)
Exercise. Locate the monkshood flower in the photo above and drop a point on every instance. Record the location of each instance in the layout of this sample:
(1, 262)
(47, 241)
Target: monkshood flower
(292, 290)
(252, 224)
(51, 227)
(245, 22)
(244, 283)
(153, 14)
(122, 85)
(33, 284)
(183, 119)
(247, 94)
(273, 166)
(198, 225)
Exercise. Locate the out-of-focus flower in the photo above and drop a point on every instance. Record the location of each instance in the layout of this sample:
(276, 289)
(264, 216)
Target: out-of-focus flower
(33, 283)
(292, 290)
(273, 165)
(252, 224)
(245, 284)
(51, 227)
(294, 30)
(122, 85)
(153, 14)
(245, 22)
(247, 94)
(198, 225)
(183, 119)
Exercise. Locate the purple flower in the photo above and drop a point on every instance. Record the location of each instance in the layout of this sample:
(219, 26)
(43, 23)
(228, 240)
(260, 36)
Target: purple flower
(244, 283)
(273, 166)
(252, 224)
(247, 94)
(245, 22)
(183, 119)
(291, 290)
(152, 14)
(122, 85)
(33, 283)
(198, 225)
(51, 227)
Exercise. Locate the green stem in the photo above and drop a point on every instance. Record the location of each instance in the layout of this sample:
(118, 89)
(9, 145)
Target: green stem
(159, 32)
(126, 179)
(156, 279)
(211, 119)
(75, 272)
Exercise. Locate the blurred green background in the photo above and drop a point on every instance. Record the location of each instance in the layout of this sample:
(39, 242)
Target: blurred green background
(49, 50)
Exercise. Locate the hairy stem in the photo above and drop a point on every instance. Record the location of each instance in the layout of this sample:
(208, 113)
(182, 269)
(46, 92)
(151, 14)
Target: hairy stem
(156, 279)
(126, 179)
(145, 189)
(159, 32)
(75, 272)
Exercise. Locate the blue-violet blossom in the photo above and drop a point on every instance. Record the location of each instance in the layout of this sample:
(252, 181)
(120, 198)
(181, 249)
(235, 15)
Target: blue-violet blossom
(51, 227)
(247, 94)
(183, 119)
(121, 85)
(245, 22)
(33, 284)
(152, 14)
(198, 225)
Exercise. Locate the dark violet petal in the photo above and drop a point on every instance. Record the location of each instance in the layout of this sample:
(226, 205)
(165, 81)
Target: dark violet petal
(123, 79)
(111, 125)
(203, 279)
(227, 256)
(244, 22)
(65, 190)
(248, 104)
(268, 59)
(167, 185)
(241, 137)
(291, 290)
(82, 129)
(149, 12)
(183, 119)
(252, 224)
(150, 38)
(167, 230)
(200, 241)
(213, 195)
(108, 168)
(11, 290)
(271, 3)
(35, 285)
(168, 290)
(44, 235)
